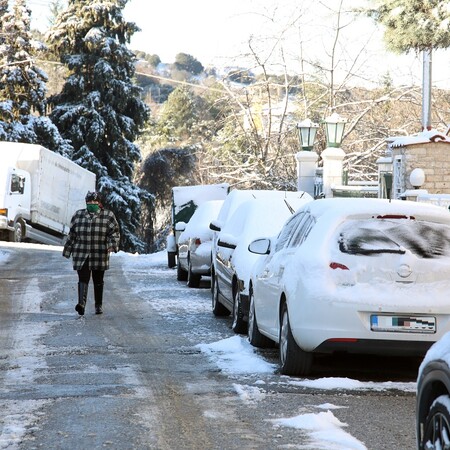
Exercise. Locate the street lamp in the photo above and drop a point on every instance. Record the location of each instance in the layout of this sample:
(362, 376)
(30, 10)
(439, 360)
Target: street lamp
(334, 129)
(307, 134)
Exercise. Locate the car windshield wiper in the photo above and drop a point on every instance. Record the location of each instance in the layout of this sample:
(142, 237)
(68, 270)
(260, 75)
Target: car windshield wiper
(291, 209)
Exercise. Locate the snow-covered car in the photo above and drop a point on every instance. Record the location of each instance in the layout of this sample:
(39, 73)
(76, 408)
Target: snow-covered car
(232, 260)
(352, 275)
(433, 397)
(194, 244)
(234, 198)
(185, 200)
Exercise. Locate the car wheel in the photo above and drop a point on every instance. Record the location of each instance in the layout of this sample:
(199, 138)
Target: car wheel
(254, 336)
(217, 308)
(182, 275)
(193, 279)
(437, 425)
(293, 360)
(238, 325)
(17, 234)
(171, 259)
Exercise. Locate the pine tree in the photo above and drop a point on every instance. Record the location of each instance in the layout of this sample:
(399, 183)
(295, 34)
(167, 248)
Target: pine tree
(413, 24)
(23, 83)
(99, 108)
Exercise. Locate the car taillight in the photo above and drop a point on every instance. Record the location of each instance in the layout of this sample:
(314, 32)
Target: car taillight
(198, 241)
(335, 265)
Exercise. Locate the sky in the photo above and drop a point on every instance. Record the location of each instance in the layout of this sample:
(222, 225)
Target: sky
(233, 355)
(218, 33)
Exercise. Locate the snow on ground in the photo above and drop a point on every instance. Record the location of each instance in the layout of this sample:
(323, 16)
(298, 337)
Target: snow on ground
(233, 355)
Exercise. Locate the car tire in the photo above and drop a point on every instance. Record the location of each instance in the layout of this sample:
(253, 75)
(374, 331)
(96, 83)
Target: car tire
(437, 425)
(217, 308)
(293, 360)
(17, 234)
(254, 335)
(182, 275)
(171, 259)
(238, 325)
(193, 279)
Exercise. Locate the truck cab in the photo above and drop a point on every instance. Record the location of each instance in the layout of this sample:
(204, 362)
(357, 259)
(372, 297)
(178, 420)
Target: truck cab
(15, 192)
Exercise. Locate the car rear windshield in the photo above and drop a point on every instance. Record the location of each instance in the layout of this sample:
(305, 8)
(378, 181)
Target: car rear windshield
(374, 236)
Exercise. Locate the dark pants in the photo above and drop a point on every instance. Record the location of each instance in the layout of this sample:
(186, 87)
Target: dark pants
(84, 274)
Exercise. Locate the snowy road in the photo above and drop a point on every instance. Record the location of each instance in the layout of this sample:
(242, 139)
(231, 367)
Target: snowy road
(158, 371)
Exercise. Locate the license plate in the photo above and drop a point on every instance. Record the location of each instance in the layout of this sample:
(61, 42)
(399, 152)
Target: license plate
(403, 324)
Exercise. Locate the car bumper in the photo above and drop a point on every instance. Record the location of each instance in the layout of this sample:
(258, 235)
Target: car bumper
(200, 264)
(330, 324)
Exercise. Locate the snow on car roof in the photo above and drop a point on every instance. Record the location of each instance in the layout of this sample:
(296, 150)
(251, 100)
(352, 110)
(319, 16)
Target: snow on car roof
(262, 216)
(237, 196)
(342, 207)
(198, 225)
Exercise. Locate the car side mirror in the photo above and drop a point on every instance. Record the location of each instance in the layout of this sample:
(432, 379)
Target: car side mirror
(227, 241)
(180, 226)
(260, 247)
(215, 226)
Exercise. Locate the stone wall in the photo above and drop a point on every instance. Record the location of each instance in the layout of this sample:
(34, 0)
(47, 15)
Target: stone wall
(433, 158)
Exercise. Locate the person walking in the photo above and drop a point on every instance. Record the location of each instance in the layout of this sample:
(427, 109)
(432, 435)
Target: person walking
(94, 234)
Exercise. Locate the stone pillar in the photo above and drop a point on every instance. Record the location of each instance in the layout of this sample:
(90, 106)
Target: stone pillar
(306, 171)
(332, 169)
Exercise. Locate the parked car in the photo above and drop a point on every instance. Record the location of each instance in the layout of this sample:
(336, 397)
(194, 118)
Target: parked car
(433, 397)
(185, 200)
(352, 275)
(231, 202)
(194, 244)
(233, 261)
(235, 198)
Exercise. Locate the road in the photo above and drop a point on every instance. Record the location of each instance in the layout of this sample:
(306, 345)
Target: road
(134, 377)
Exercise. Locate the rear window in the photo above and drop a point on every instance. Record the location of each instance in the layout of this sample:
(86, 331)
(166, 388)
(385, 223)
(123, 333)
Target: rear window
(375, 236)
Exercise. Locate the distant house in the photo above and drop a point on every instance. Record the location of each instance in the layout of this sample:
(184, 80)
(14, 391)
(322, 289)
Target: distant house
(429, 151)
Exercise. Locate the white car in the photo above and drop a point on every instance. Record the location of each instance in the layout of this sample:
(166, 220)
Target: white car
(235, 198)
(194, 244)
(232, 260)
(433, 397)
(352, 275)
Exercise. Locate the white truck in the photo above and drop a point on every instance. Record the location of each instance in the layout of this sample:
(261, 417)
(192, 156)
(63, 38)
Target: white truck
(39, 192)
(185, 200)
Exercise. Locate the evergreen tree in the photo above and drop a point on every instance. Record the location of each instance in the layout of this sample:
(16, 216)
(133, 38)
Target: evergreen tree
(23, 84)
(178, 115)
(413, 24)
(188, 63)
(99, 108)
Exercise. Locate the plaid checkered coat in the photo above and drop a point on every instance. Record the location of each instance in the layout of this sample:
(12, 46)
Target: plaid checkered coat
(91, 235)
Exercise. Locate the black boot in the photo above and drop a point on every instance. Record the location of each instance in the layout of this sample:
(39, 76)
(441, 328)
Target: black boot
(82, 296)
(98, 295)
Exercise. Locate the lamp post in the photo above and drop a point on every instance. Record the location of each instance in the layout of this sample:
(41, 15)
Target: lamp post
(307, 130)
(333, 155)
(334, 129)
(306, 157)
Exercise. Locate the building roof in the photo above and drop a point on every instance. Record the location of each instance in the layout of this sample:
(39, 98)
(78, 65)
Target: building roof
(424, 137)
